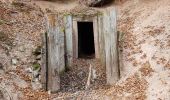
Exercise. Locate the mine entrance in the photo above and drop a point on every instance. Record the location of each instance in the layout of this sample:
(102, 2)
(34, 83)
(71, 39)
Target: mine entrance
(86, 48)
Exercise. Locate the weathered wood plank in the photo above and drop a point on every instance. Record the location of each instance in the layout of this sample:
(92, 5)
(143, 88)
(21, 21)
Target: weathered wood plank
(44, 61)
(69, 40)
(101, 41)
(75, 39)
(96, 37)
(110, 36)
(56, 60)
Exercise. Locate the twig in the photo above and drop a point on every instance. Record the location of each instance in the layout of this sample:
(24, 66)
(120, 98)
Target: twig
(89, 77)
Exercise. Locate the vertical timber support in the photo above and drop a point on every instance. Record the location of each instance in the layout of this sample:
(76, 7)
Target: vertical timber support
(110, 37)
(101, 41)
(44, 61)
(75, 39)
(68, 39)
(96, 36)
(56, 59)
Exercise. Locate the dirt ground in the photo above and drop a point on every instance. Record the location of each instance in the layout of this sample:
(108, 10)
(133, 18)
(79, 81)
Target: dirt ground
(145, 53)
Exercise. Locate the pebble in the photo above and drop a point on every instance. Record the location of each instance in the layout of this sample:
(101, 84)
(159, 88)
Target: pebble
(28, 70)
(14, 61)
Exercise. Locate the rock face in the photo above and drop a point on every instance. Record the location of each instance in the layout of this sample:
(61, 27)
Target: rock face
(95, 3)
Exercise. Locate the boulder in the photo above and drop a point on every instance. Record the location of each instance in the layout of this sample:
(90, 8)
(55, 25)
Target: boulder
(95, 3)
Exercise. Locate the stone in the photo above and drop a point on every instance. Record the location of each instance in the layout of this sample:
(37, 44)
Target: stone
(81, 74)
(14, 61)
(22, 49)
(36, 73)
(36, 85)
(94, 75)
(49, 92)
(95, 3)
(38, 57)
(28, 70)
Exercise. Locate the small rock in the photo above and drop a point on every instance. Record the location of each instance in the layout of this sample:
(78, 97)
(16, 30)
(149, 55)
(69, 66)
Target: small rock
(95, 3)
(94, 76)
(38, 57)
(14, 61)
(35, 74)
(28, 70)
(49, 92)
(39, 62)
(81, 74)
(36, 85)
(21, 49)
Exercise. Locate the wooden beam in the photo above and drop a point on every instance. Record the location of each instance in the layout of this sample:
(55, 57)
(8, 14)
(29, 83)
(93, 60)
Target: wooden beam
(44, 61)
(110, 36)
(56, 53)
(69, 39)
(75, 39)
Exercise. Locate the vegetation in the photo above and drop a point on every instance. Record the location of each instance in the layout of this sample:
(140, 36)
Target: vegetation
(36, 66)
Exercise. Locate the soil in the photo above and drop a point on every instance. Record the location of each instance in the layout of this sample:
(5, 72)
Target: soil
(145, 49)
(75, 78)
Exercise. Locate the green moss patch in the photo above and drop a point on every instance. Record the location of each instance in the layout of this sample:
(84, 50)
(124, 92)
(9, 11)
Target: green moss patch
(36, 66)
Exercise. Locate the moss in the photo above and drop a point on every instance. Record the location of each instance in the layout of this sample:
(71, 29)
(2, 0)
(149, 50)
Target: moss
(62, 30)
(36, 66)
(100, 14)
(66, 14)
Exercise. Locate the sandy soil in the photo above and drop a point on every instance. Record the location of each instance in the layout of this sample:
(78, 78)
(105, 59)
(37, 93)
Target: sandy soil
(146, 26)
(145, 45)
(56, 5)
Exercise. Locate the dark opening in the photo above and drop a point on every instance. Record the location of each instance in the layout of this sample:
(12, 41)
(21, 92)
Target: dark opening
(86, 47)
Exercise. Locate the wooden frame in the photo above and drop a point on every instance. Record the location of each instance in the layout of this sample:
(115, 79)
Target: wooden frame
(61, 46)
(75, 34)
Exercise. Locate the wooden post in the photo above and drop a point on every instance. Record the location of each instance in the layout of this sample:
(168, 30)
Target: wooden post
(44, 61)
(110, 37)
(69, 39)
(101, 40)
(75, 39)
(96, 37)
(56, 53)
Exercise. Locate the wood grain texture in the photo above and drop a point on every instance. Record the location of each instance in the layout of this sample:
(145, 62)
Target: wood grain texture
(44, 61)
(96, 37)
(75, 39)
(101, 42)
(69, 39)
(56, 58)
(110, 36)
